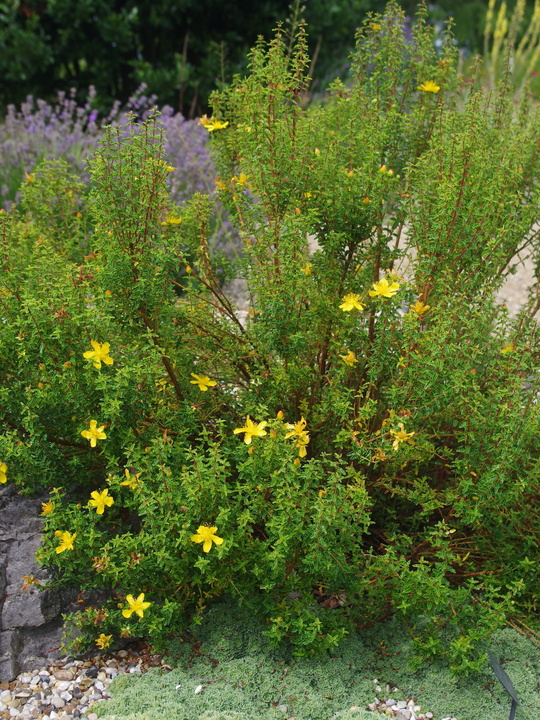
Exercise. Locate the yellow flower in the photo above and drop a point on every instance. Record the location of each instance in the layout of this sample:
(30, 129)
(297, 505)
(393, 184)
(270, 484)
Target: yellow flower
(207, 536)
(103, 641)
(400, 436)
(307, 269)
(137, 606)
(100, 354)
(384, 288)
(210, 124)
(297, 429)
(170, 168)
(171, 220)
(94, 433)
(366, 201)
(349, 358)
(3, 470)
(100, 500)
(47, 507)
(374, 26)
(507, 349)
(242, 180)
(220, 184)
(429, 86)
(301, 444)
(29, 177)
(351, 302)
(251, 430)
(131, 481)
(420, 308)
(308, 195)
(203, 382)
(66, 540)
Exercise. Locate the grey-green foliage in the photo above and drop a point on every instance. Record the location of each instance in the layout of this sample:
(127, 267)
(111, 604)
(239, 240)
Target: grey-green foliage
(243, 679)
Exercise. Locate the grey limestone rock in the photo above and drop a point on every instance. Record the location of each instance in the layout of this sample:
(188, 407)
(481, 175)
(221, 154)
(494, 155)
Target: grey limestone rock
(30, 619)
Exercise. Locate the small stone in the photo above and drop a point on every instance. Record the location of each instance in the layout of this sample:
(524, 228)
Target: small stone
(57, 701)
(23, 694)
(64, 674)
(135, 670)
(25, 678)
(372, 707)
(401, 704)
(14, 712)
(67, 696)
(93, 716)
(5, 696)
(429, 716)
(390, 702)
(407, 714)
(282, 708)
(62, 685)
(399, 716)
(92, 672)
(13, 703)
(378, 689)
(122, 654)
(44, 673)
(77, 693)
(111, 671)
(99, 685)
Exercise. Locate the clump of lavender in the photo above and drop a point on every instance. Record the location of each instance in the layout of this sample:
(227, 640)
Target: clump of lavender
(39, 131)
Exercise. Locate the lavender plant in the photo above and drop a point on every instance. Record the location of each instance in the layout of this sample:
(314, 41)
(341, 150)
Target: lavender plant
(365, 441)
(39, 131)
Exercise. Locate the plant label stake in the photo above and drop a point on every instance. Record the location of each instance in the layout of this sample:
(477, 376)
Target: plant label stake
(505, 682)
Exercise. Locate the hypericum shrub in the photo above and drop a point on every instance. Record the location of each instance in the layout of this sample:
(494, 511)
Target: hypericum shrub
(365, 441)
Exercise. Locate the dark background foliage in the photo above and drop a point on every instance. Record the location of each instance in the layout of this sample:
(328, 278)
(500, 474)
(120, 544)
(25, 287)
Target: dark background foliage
(182, 49)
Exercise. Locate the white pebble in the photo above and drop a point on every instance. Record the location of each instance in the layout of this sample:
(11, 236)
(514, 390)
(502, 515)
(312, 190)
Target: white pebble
(390, 702)
(62, 685)
(378, 689)
(198, 689)
(67, 696)
(177, 687)
(402, 705)
(5, 696)
(429, 715)
(14, 712)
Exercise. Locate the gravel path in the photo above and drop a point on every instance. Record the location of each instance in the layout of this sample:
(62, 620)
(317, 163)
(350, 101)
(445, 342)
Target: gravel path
(70, 689)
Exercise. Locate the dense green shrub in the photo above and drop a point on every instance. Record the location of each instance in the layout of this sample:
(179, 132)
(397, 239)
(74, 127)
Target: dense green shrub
(366, 440)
